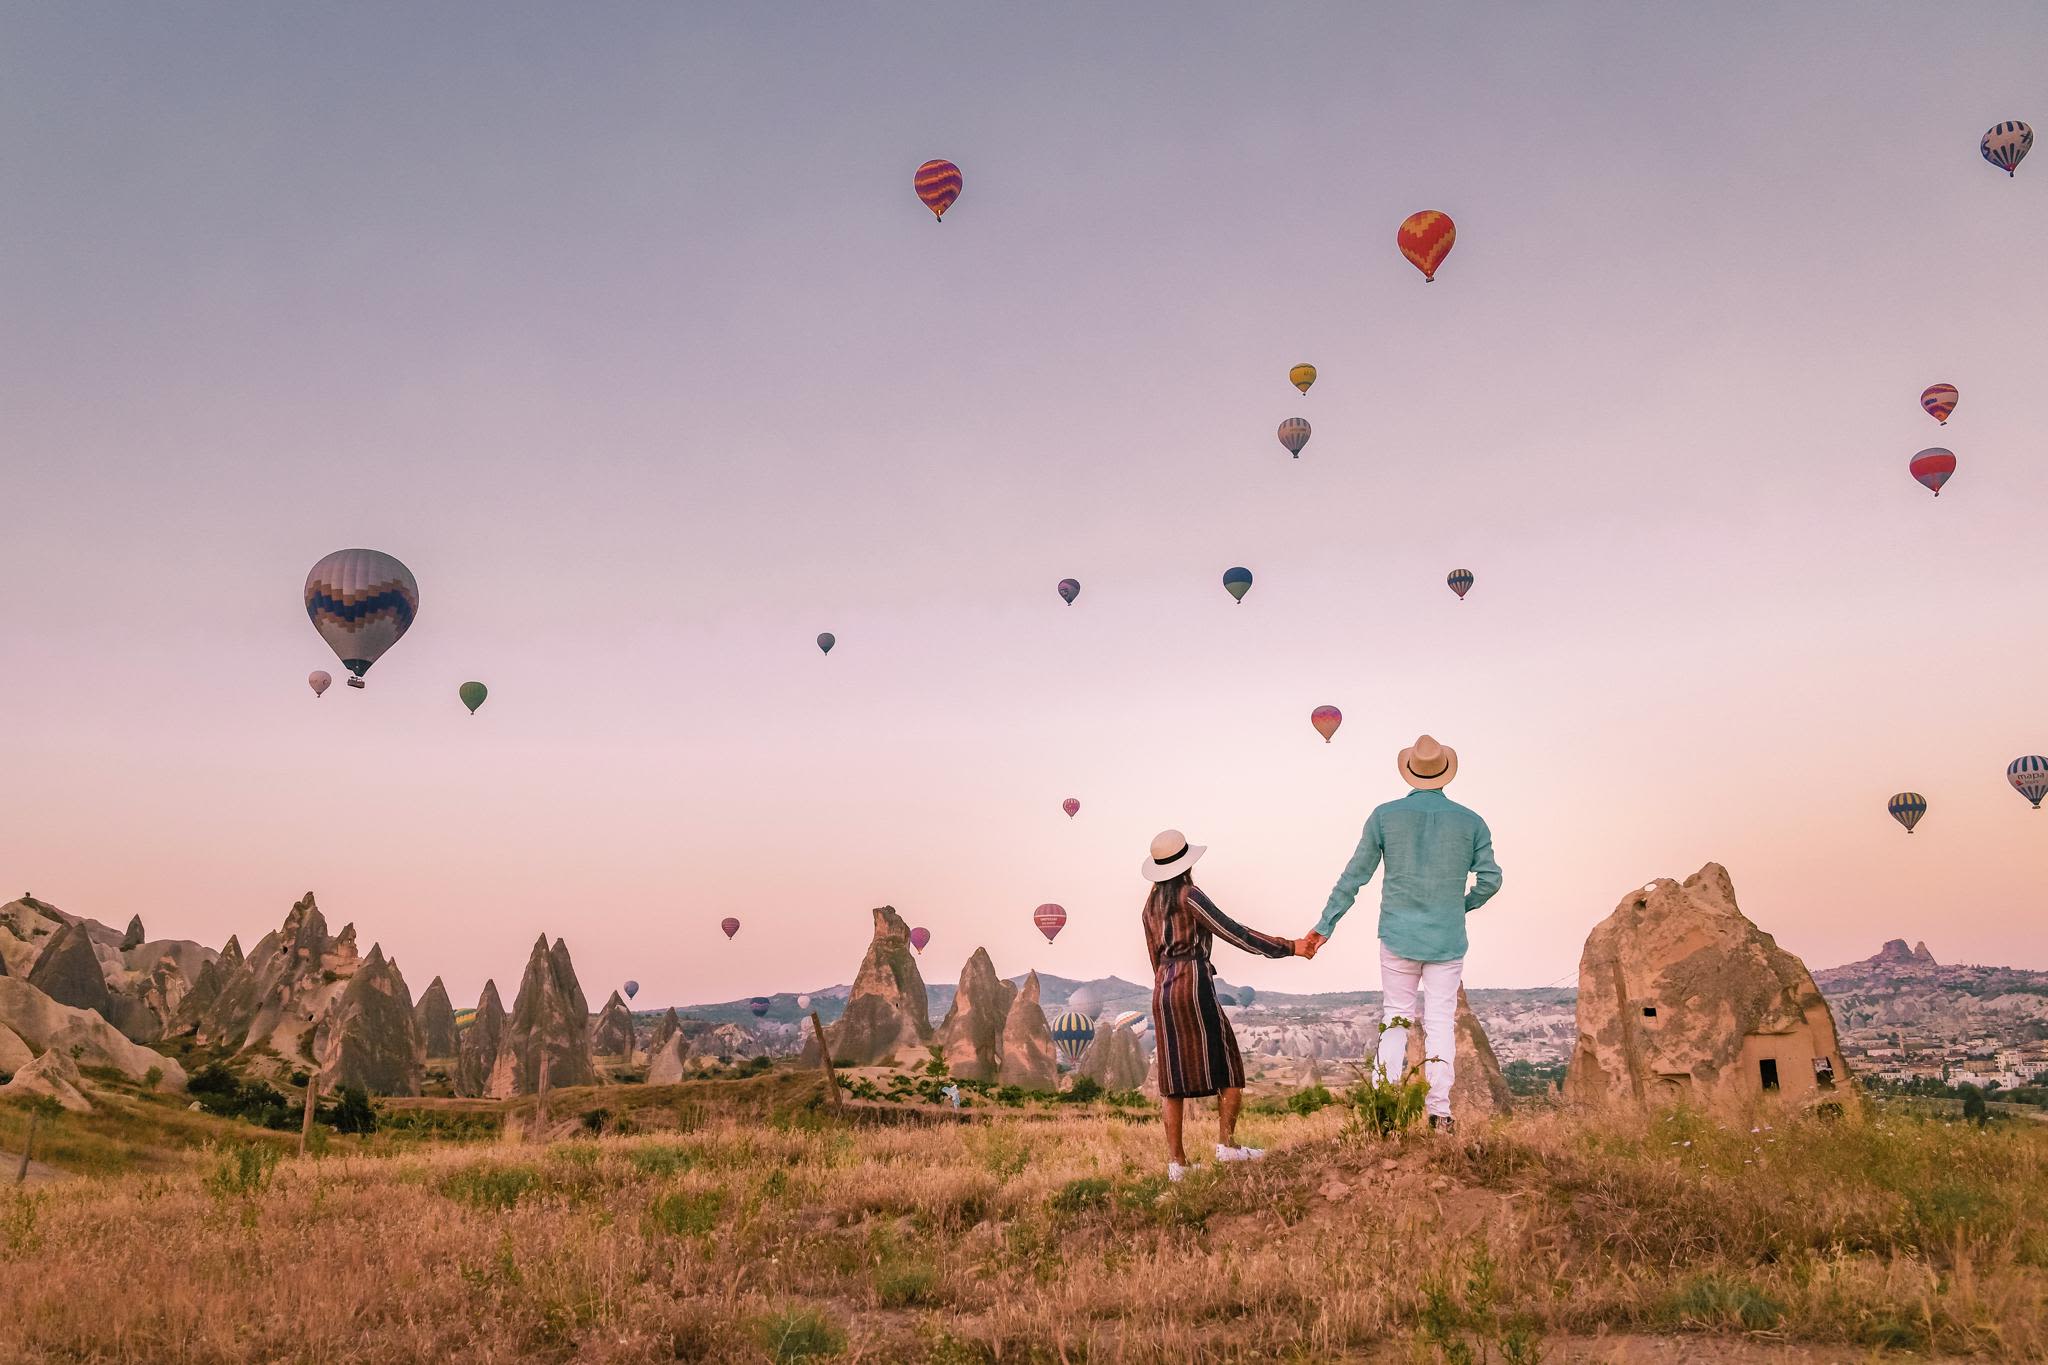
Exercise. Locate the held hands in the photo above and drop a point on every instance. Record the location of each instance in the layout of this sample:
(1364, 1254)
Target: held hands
(1307, 947)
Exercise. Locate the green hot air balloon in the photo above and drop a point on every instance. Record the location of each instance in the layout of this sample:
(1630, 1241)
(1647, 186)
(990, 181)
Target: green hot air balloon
(472, 694)
(1237, 582)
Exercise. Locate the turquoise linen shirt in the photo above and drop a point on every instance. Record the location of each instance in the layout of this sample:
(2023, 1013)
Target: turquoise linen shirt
(1430, 843)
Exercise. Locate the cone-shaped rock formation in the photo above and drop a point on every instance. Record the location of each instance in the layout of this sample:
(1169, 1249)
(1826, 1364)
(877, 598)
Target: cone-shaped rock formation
(477, 1052)
(435, 1015)
(971, 1037)
(1478, 1090)
(549, 1019)
(1028, 1057)
(69, 972)
(1115, 1060)
(613, 1035)
(370, 1038)
(887, 1020)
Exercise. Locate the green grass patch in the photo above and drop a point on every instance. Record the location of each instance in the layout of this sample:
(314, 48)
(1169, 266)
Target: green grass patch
(487, 1185)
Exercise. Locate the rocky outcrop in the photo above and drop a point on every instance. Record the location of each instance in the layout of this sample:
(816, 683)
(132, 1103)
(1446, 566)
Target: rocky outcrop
(670, 1061)
(971, 1036)
(477, 1052)
(1478, 1090)
(669, 1027)
(887, 1020)
(1683, 999)
(69, 972)
(370, 1039)
(613, 1034)
(1029, 1060)
(83, 1035)
(134, 938)
(53, 1074)
(14, 1053)
(549, 1019)
(276, 998)
(1115, 1060)
(435, 1016)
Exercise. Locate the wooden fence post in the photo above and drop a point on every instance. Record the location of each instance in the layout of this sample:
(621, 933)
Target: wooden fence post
(312, 1103)
(540, 1101)
(825, 1060)
(35, 1117)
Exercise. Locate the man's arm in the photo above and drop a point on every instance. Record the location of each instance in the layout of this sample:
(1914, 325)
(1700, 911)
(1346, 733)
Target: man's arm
(1365, 860)
(1486, 872)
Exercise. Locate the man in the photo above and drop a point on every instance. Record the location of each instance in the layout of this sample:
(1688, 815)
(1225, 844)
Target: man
(1430, 845)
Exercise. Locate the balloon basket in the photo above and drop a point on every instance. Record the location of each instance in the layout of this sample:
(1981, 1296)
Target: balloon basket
(355, 682)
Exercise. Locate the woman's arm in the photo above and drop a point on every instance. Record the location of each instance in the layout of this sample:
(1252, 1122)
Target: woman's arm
(1235, 934)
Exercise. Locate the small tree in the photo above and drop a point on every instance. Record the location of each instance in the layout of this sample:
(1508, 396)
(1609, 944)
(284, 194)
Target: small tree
(1974, 1109)
(352, 1112)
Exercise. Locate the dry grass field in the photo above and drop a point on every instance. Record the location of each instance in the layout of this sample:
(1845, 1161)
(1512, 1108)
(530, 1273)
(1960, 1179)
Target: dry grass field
(744, 1223)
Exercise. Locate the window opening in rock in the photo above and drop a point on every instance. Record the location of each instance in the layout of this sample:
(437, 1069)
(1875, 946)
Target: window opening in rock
(1824, 1072)
(1649, 1011)
(1767, 1071)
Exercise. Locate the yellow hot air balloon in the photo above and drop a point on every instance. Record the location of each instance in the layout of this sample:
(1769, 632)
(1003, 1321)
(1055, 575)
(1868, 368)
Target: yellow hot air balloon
(1301, 376)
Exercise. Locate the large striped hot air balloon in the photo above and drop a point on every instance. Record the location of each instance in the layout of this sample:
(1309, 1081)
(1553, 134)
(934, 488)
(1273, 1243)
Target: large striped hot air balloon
(1127, 1019)
(361, 602)
(1294, 434)
(1940, 401)
(1050, 919)
(2006, 145)
(319, 680)
(1071, 1034)
(1070, 588)
(2029, 777)
(1425, 239)
(1301, 376)
(1326, 719)
(1933, 466)
(1237, 582)
(1460, 581)
(1907, 808)
(938, 184)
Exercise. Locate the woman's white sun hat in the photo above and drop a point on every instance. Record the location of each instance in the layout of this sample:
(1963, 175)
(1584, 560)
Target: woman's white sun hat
(1172, 855)
(1427, 765)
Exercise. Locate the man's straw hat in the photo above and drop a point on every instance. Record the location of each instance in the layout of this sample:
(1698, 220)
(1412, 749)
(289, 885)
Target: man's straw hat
(1427, 765)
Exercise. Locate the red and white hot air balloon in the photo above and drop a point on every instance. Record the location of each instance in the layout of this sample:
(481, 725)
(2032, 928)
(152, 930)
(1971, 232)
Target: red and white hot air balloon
(1933, 466)
(1050, 919)
(1071, 807)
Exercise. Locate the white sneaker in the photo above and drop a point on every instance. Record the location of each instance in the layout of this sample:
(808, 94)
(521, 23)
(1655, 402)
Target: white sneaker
(1174, 1171)
(1239, 1153)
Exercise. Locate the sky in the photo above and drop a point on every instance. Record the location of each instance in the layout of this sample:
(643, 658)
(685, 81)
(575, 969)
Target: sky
(621, 325)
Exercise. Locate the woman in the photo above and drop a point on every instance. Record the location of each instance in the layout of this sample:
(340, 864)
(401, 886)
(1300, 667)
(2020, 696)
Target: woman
(1197, 1050)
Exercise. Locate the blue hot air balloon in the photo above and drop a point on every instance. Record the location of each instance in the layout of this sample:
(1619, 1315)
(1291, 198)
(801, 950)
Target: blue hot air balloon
(632, 989)
(826, 641)
(1071, 1034)
(1237, 582)
(361, 602)
(1907, 808)
(2029, 777)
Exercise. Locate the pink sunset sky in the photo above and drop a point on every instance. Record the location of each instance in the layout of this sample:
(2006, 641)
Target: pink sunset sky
(622, 327)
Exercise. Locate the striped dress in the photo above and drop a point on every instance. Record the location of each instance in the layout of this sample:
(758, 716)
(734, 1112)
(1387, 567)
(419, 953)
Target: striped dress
(1197, 1050)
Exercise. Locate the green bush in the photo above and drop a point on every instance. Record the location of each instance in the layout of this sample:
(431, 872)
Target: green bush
(905, 1284)
(798, 1334)
(487, 1185)
(1087, 1192)
(1309, 1099)
(1084, 1090)
(687, 1213)
(219, 1091)
(350, 1112)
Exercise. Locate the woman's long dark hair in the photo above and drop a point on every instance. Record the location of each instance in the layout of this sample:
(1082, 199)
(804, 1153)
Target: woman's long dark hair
(1164, 894)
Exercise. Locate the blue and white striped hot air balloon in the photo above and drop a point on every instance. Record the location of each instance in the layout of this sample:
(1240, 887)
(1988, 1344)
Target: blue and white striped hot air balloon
(361, 602)
(1460, 581)
(2006, 145)
(1907, 808)
(1071, 1034)
(2029, 777)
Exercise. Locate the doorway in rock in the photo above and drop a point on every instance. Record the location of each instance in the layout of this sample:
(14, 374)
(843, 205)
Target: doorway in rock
(1767, 1072)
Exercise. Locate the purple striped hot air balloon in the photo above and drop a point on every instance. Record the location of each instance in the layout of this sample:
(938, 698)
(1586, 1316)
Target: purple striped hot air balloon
(938, 184)
(1940, 401)
(919, 937)
(1326, 719)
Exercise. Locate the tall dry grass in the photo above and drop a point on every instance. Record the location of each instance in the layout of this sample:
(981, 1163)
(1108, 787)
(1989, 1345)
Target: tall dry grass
(1053, 1238)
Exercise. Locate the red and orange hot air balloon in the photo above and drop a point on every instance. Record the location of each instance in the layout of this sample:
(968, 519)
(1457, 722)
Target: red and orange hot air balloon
(1932, 467)
(1940, 401)
(1425, 239)
(1326, 719)
(1050, 919)
(938, 184)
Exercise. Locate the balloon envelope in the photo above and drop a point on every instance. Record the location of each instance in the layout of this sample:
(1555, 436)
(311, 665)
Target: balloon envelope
(1460, 581)
(1071, 1034)
(919, 937)
(1127, 1019)
(473, 694)
(1294, 435)
(2006, 145)
(1907, 808)
(319, 680)
(361, 602)
(759, 1005)
(1425, 239)
(632, 989)
(1933, 466)
(730, 925)
(1326, 719)
(1237, 582)
(2029, 777)
(1940, 401)
(803, 1002)
(826, 641)
(1050, 919)
(1071, 807)
(938, 184)
(1070, 588)
(1301, 376)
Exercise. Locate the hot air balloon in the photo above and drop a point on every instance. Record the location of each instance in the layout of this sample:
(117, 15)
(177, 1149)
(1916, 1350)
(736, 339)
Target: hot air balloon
(1425, 239)
(1301, 376)
(2029, 777)
(1127, 1019)
(1907, 808)
(1326, 719)
(1940, 401)
(2006, 145)
(1246, 994)
(826, 641)
(1050, 919)
(730, 925)
(919, 937)
(632, 989)
(1294, 434)
(759, 1005)
(1071, 1034)
(361, 602)
(319, 680)
(1237, 582)
(1085, 1000)
(1460, 581)
(938, 184)
(1226, 999)
(803, 1002)
(1932, 467)
(473, 694)
(1070, 588)
(1071, 807)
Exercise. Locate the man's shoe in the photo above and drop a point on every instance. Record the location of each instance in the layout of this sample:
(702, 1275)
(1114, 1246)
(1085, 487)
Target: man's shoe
(1239, 1153)
(1443, 1123)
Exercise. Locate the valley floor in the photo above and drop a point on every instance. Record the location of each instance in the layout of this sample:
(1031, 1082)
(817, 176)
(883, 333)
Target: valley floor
(767, 1229)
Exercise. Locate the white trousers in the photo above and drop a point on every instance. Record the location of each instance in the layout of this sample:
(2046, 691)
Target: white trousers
(1400, 979)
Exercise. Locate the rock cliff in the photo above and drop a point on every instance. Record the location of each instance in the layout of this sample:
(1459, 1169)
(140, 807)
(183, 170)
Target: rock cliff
(276, 998)
(435, 1016)
(1029, 1059)
(1115, 1060)
(83, 1035)
(370, 1038)
(549, 1019)
(478, 1049)
(887, 1020)
(971, 1037)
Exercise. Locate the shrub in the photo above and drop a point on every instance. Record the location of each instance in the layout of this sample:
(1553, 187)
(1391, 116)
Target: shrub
(490, 1186)
(798, 1334)
(218, 1090)
(351, 1112)
(687, 1213)
(1084, 1090)
(1309, 1099)
(1088, 1192)
(1722, 1301)
(153, 1077)
(905, 1284)
(244, 1170)
(1974, 1109)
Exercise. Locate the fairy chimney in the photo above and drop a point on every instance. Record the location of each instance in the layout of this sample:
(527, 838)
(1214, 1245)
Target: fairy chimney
(971, 1037)
(887, 1020)
(1029, 1060)
(1478, 1090)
